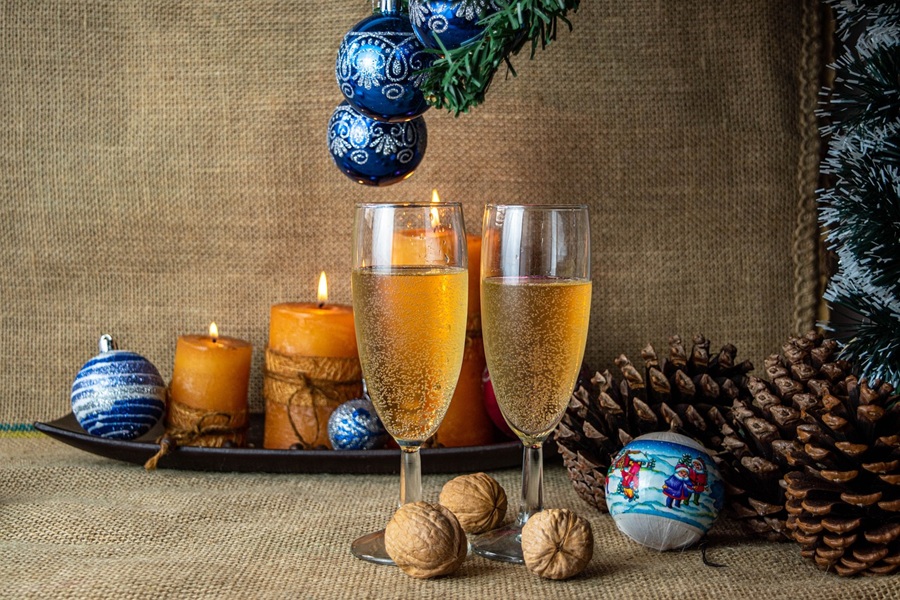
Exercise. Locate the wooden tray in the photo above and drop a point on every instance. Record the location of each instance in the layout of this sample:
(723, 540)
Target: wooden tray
(259, 460)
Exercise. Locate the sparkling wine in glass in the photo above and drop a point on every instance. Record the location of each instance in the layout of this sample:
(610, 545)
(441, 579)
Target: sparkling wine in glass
(535, 303)
(410, 292)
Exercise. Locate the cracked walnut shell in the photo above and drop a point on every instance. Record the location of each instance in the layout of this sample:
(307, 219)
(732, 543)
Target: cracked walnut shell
(425, 540)
(478, 502)
(557, 543)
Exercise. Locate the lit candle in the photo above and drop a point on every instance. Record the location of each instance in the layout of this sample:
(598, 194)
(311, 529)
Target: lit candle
(307, 329)
(408, 247)
(312, 366)
(209, 384)
(467, 422)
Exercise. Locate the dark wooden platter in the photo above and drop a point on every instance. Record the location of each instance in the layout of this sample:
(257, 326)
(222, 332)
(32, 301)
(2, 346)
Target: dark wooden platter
(259, 460)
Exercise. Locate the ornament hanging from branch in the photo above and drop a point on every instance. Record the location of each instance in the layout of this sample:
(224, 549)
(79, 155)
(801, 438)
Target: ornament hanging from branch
(375, 152)
(412, 54)
(379, 66)
(446, 25)
(459, 79)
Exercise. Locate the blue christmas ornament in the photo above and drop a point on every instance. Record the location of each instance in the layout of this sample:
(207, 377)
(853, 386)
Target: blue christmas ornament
(374, 152)
(118, 394)
(354, 425)
(378, 66)
(455, 22)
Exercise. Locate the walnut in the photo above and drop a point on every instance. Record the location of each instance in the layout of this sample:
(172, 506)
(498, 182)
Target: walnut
(557, 543)
(477, 501)
(425, 540)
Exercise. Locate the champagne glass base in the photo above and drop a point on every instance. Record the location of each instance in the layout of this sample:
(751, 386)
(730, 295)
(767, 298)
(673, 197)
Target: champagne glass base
(371, 548)
(504, 544)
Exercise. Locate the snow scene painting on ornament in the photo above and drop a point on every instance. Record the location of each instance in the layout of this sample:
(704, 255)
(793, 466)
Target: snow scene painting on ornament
(664, 491)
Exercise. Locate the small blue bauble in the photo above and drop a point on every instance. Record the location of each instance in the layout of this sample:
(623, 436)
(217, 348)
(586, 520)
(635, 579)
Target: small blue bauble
(455, 22)
(373, 152)
(118, 394)
(663, 490)
(354, 425)
(378, 68)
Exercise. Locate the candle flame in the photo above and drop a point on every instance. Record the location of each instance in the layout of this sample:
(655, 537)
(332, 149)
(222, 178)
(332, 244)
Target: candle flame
(323, 289)
(435, 217)
(213, 331)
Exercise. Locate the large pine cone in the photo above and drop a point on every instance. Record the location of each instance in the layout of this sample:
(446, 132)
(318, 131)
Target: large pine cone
(760, 433)
(681, 393)
(843, 498)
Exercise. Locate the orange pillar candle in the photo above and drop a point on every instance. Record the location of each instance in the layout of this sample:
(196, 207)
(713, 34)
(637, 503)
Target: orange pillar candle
(312, 366)
(473, 244)
(409, 250)
(209, 386)
(467, 422)
(306, 329)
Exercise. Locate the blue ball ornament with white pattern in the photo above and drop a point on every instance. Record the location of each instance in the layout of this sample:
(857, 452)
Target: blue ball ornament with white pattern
(375, 152)
(354, 425)
(454, 22)
(118, 394)
(379, 66)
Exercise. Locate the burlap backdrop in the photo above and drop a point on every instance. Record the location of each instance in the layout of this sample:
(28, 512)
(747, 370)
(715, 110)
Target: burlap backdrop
(164, 165)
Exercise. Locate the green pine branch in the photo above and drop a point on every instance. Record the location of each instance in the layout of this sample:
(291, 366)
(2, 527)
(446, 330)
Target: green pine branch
(459, 79)
(872, 340)
(861, 210)
(867, 92)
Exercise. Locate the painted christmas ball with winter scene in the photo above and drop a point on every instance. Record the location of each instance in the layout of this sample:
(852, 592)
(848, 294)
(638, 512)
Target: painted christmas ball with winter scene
(664, 491)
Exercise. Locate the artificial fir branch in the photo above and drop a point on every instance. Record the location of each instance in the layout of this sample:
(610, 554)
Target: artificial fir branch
(459, 79)
(862, 208)
(850, 15)
(870, 95)
(872, 337)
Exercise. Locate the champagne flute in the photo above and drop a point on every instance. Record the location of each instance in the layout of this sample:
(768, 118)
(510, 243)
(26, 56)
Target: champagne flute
(410, 292)
(535, 307)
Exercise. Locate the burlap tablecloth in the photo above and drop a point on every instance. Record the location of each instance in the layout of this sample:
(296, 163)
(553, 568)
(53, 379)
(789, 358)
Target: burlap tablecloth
(74, 525)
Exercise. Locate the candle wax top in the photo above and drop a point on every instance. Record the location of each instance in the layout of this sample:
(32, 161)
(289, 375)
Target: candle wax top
(205, 342)
(305, 329)
(312, 308)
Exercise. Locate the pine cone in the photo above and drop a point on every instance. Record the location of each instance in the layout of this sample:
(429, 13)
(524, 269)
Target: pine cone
(584, 438)
(759, 432)
(681, 393)
(751, 460)
(843, 495)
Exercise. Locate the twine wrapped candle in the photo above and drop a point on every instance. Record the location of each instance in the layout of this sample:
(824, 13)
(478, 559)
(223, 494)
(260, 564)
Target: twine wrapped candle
(207, 399)
(312, 367)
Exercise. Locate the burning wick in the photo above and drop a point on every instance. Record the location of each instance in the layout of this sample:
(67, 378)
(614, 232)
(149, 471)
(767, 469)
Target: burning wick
(435, 216)
(323, 290)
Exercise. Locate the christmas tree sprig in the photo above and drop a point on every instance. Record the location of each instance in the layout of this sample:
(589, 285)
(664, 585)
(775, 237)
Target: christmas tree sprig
(870, 95)
(459, 79)
(861, 210)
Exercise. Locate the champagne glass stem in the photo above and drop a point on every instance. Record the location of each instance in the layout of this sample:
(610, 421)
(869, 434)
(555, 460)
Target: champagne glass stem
(532, 482)
(410, 475)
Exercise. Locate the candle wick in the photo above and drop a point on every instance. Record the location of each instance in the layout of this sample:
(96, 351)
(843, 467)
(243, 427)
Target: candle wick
(321, 304)
(215, 340)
